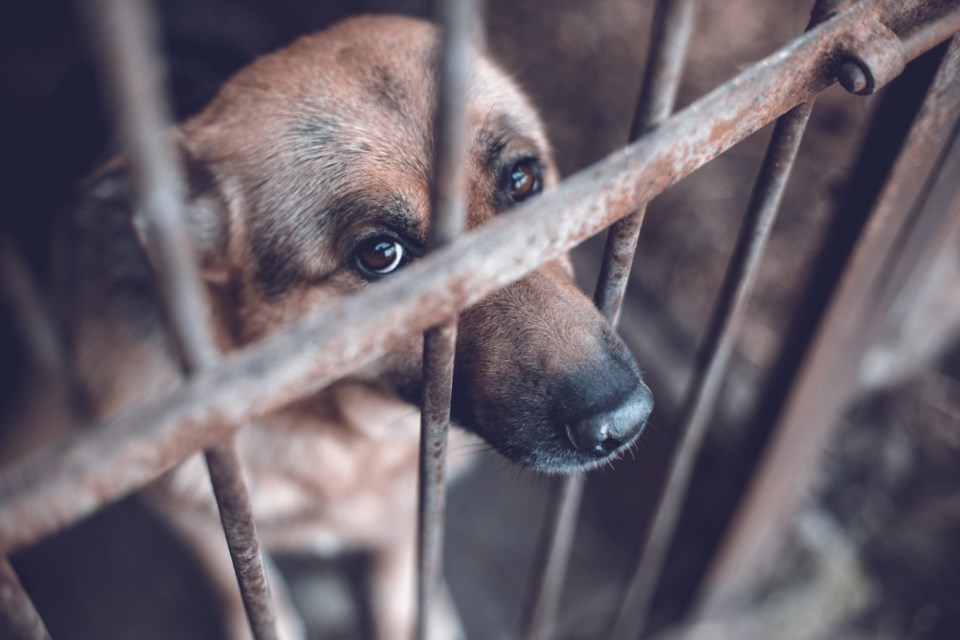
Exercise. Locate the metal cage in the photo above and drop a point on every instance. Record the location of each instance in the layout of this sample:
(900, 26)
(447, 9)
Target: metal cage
(862, 43)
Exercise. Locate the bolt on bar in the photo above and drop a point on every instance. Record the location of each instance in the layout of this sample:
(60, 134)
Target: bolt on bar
(67, 481)
(448, 202)
(830, 365)
(671, 28)
(131, 66)
(713, 359)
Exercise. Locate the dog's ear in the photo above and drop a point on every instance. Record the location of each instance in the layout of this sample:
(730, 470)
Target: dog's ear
(205, 211)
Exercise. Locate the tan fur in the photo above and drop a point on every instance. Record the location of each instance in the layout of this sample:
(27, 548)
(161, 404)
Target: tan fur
(299, 157)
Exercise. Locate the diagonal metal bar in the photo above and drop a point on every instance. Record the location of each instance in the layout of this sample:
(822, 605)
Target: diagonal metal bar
(131, 66)
(458, 18)
(17, 614)
(712, 362)
(671, 27)
(829, 370)
(66, 481)
(713, 358)
(551, 568)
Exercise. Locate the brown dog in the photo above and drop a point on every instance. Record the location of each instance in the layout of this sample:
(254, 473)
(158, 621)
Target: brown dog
(309, 179)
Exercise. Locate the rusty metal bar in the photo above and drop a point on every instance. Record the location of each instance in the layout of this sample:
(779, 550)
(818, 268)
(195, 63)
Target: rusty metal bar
(132, 68)
(713, 359)
(671, 28)
(829, 371)
(449, 208)
(930, 34)
(67, 481)
(552, 566)
(17, 613)
(918, 299)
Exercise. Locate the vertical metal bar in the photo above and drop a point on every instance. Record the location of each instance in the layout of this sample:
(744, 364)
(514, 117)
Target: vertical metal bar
(671, 28)
(829, 371)
(17, 612)
(458, 19)
(562, 516)
(713, 359)
(132, 69)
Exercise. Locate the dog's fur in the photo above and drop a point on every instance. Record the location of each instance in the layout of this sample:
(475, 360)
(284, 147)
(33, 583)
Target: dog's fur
(301, 157)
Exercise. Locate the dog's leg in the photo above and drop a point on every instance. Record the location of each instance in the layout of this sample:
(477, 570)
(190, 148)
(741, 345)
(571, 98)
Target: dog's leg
(205, 540)
(393, 601)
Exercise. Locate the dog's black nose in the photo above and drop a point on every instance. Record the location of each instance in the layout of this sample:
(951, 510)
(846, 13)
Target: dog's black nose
(602, 432)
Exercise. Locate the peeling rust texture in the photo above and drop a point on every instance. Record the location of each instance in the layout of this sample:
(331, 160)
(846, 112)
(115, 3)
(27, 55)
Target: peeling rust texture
(829, 371)
(131, 67)
(67, 481)
(458, 19)
(17, 613)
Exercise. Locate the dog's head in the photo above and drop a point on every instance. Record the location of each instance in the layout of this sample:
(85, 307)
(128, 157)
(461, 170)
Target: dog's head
(311, 175)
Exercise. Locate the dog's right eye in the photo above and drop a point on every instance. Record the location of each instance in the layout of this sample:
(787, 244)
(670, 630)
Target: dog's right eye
(380, 255)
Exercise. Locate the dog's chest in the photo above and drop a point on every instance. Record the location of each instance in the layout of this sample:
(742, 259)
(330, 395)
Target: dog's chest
(337, 472)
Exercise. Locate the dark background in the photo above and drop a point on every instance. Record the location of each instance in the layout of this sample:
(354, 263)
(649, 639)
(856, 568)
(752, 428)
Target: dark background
(873, 552)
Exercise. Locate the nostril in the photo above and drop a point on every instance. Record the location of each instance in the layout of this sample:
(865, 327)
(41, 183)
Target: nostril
(610, 444)
(603, 432)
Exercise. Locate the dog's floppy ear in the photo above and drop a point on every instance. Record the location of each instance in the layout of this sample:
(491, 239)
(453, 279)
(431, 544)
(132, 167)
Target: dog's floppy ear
(205, 209)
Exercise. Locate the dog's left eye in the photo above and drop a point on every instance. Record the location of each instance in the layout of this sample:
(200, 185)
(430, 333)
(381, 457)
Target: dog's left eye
(380, 255)
(524, 179)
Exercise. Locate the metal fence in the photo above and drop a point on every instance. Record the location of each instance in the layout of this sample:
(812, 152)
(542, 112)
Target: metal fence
(863, 44)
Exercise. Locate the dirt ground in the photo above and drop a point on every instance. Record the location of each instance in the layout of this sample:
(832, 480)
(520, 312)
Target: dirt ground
(873, 553)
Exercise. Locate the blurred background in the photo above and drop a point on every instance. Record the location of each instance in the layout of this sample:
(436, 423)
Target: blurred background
(874, 551)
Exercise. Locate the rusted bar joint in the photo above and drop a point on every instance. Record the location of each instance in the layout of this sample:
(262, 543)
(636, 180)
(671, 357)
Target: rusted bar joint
(66, 481)
(871, 56)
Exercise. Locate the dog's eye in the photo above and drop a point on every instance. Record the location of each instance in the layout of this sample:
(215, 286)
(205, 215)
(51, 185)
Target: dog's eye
(380, 255)
(525, 179)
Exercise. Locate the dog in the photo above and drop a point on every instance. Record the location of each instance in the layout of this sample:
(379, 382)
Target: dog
(309, 179)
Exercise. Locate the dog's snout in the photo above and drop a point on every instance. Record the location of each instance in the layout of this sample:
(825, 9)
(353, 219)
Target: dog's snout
(606, 430)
